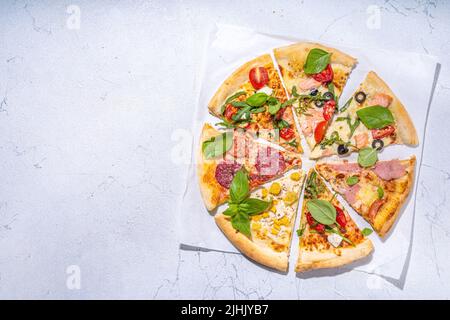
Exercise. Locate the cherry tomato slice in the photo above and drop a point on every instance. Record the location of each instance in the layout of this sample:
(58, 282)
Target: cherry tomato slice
(280, 113)
(340, 217)
(229, 112)
(329, 109)
(324, 76)
(314, 224)
(320, 228)
(287, 133)
(258, 77)
(319, 132)
(384, 132)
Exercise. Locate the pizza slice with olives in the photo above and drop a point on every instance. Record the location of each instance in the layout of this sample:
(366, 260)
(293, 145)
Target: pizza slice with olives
(373, 117)
(328, 236)
(314, 76)
(260, 224)
(222, 154)
(377, 193)
(254, 99)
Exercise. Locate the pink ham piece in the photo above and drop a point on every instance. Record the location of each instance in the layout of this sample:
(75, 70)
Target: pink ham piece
(380, 99)
(389, 170)
(351, 192)
(308, 84)
(346, 167)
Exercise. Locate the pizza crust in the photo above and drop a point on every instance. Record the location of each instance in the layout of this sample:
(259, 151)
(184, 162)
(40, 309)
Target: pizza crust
(260, 254)
(234, 82)
(406, 131)
(309, 260)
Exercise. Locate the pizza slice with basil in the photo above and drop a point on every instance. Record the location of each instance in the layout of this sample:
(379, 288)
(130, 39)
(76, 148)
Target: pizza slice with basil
(254, 99)
(377, 192)
(328, 236)
(260, 224)
(222, 154)
(372, 118)
(314, 76)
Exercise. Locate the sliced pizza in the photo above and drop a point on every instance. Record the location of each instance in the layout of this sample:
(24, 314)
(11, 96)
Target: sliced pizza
(372, 117)
(377, 193)
(314, 76)
(222, 154)
(328, 236)
(254, 99)
(266, 237)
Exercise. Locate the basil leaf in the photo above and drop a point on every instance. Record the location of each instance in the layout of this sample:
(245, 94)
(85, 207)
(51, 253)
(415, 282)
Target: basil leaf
(376, 117)
(239, 188)
(322, 211)
(282, 124)
(258, 110)
(217, 146)
(316, 61)
(231, 210)
(258, 99)
(366, 232)
(234, 96)
(288, 102)
(380, 192)
(273, 109)
(254, 206)
(241, 223)
(239, 104)
(352, 180)
(367, 157)
(244, 111)
(272, 101)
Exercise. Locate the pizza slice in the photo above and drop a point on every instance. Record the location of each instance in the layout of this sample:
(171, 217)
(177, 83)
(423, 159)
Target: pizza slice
(328, 236)
(265, 235)
(254, 99)
(377, 193)
(222, 154)
(314, 76)
(372, 117)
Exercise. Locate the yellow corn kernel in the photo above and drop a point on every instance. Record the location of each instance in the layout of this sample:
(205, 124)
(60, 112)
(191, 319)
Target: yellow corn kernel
(274, 202)
(295, 176)
(284, 221)
(275, 188)
(276, 226)
(256, 226)
(265, 215)
(273, 209)
(290, 198)
(264, 192)
(274, 232)
(256, 218)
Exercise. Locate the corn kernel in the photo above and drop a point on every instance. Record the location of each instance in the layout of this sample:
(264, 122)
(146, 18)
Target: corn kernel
(273, 209)
(265, 215)
(264, 192)
(275, 188)
(256, 218)
(290, 198)
(275, 202)
(274, 232)
(276, 226)
(295, 176)
(256, 226)
(284, 221)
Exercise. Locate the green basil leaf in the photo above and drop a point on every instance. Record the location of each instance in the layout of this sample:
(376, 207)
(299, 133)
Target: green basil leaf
(273, 109)
(239, 188)
(234, 96)
(272, 101)
(241, 223)
(258, 99)
(217, 146)
(239, 104)
(322, 211)
(380, 192)
(258, 110)
(367, 157)
(231, 210)
(376, 117)
(352, 180)
(254, 206)
(243, 111)
(289, 102)
(366, 232)
(316, 61)
(282, 124)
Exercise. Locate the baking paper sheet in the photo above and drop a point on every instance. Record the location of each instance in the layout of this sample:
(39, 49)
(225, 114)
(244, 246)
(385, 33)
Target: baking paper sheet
(410, 76)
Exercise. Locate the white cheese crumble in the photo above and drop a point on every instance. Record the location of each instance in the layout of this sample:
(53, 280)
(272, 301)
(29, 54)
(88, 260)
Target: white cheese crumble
(334, 239)
(266, 90)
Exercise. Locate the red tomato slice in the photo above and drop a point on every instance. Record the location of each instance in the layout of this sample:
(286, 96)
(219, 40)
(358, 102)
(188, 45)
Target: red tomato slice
(258, 77)
(325, 76)
(319, 132)
(287, 133)
(340, 217)
(328, 109)
(229, 112)
(384, 132)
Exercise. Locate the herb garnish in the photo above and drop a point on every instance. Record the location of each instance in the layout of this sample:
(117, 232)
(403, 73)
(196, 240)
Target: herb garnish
(366, 232)
(375, 117)
(367, 157)
(334, 138)
(346, 105)
(316, 61)
(312, 188)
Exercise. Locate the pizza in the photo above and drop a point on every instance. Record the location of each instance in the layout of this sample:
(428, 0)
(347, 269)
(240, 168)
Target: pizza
(271, 230)
(376, 193)
(222, 154)
(374, 117)
(328, 237)
(253, 98)
(314, 76)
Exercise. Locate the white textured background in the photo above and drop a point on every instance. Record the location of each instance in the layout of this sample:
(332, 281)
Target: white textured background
(88, 121)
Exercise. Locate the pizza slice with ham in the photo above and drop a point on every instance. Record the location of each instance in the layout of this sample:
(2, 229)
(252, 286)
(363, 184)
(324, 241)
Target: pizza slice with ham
(314, 76)
(222, 154)
(373, 117)
(377, 193)
(328, 237)
(253, 98)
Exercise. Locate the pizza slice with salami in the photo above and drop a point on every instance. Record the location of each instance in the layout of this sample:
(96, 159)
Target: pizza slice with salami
(377, 193)
(222, 154)
(253, 98)
(261, 225)
(314, 76)
(328, 237)
(372, 118)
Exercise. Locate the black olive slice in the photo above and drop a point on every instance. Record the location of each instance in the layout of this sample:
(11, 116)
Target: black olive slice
(319, 103)
(314, 92)
(377, 144)
(360, 97)
(328, 96)
(342, 149)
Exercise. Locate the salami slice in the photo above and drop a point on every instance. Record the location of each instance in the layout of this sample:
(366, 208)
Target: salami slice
(225, 172)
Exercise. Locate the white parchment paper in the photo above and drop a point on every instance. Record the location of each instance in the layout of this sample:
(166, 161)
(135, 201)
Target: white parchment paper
(410, 76)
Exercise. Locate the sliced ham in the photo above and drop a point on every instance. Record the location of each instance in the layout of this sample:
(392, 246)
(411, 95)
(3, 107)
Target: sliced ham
(389, 170)
(351, 192)
(361, 140)
(308, 123)
(308, 84)
(380, 99)
(346, 167)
